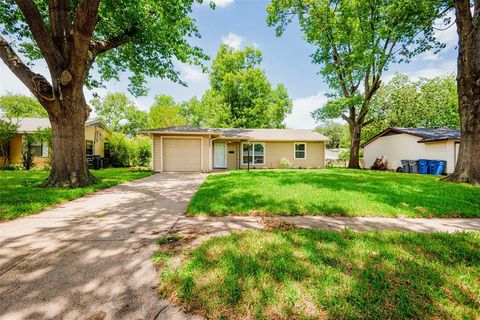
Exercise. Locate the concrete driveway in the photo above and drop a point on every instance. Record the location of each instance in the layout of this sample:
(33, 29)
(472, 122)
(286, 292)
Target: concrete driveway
(90, 258)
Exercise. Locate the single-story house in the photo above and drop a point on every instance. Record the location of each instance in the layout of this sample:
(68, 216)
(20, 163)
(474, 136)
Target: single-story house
(200, 149)
(396, 144)
(95, 134)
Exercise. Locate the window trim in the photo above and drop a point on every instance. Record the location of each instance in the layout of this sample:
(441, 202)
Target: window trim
(253, 143)
(295, 150)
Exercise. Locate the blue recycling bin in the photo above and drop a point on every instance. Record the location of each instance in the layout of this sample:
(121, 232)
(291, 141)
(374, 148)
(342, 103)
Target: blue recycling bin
(432, 166)
(423, 166)
(441, 165)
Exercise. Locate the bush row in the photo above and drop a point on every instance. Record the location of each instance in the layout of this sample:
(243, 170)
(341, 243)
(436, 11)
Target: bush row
(126, 152)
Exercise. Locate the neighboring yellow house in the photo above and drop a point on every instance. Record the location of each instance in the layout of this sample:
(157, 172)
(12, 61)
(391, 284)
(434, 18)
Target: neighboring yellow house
(199, 149)
(96, 132)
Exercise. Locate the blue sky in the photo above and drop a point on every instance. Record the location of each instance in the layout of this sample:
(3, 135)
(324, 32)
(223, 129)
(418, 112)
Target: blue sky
(285, 60)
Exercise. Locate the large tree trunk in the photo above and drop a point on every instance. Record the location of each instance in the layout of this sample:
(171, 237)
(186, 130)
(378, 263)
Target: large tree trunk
(69, 165)
(355, 134)
(467, 168)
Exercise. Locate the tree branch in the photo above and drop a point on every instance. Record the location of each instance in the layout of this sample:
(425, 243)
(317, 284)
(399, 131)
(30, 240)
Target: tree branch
(366, 123)
(59, 12)
(36, 83)
(41, 35)
(86, 17)
(100, 46)
(344, 117)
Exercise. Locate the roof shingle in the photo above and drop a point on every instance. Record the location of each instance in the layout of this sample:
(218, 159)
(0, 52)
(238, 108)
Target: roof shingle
(249, 134)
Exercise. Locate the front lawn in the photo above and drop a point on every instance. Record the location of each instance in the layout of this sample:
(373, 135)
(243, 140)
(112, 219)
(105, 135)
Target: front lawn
(314, 274)
(339, 192)
(21, 193)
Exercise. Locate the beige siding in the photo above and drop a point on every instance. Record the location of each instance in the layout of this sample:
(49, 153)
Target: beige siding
(16, 149)
(98, 135)
(158, 147)
(399, 147)
(275, 151)
(232, 155)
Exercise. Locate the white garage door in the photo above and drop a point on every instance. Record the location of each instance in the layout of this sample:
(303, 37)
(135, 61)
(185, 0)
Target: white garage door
(182, 155)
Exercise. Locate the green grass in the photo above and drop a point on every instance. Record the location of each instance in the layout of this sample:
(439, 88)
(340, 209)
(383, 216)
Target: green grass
(339, 192)
(314, 274)
(21, 192)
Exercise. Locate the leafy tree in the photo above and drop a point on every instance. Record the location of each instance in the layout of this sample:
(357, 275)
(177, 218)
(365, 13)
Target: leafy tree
(20, 106)
(337, 132)
(355, 41)
(165, 112)
(430, 103)
(8, 130)
(143, 37)
(209, 112)
(120, 114)
(192, 111)
(241, 95)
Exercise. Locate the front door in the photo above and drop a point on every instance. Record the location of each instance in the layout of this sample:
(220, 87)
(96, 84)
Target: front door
(220, 155)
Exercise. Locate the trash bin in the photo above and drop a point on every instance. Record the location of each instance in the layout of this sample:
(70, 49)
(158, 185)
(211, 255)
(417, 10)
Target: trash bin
(432, 166)
(440, 167)
(405, 166)
(423, 166)
(413, 166)
(96, 162)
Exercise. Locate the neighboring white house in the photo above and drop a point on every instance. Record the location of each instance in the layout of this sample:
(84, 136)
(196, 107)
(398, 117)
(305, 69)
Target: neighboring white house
(396, 144)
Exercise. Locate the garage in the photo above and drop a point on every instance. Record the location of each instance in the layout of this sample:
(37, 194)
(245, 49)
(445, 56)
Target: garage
(182, 154)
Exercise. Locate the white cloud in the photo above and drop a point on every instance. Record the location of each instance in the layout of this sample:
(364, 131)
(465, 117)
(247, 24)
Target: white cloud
(300, 117)
(440, 69)
(192, 73)
(233, 40)
(222, 3)
(448, 36)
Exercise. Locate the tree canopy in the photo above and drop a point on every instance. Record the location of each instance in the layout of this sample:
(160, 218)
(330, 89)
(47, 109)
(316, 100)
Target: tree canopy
(21, 106)
(241, 95)
(120, 113)
(165, 112)
(430, 103)
(336, 132)
(355, 41)
(112, 37)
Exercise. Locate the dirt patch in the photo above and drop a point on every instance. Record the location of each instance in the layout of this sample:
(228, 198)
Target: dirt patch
(275, 224)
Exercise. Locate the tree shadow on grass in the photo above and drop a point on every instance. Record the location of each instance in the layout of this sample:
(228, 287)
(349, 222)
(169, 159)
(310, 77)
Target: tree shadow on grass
(341, 276)
(392, 193)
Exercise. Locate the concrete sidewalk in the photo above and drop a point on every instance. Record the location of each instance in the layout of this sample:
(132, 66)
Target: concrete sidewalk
(224, 225)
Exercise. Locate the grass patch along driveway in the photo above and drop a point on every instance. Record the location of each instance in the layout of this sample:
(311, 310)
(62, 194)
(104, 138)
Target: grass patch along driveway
(338, 192)
(313, 274)
(21, 193)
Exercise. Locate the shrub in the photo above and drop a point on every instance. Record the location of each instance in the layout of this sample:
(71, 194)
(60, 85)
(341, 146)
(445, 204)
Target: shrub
(380, 164)
(126, 152)
(143, 151)
(13, 167)
(285, 163)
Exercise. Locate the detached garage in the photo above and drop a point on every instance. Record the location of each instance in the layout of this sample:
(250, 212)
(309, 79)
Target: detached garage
(396, 144)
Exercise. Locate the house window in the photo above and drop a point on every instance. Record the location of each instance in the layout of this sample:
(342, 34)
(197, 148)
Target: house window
(300, 150)
(37, 148)
(253, 153)
(89, 146)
